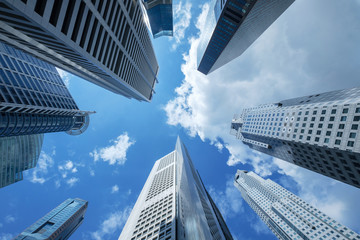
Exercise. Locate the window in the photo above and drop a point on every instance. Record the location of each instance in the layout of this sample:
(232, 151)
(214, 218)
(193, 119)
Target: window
(323, 111)
(350, 143)
(357, 110)
(337, 142)
(310, 132)
(354, 127)
(345, 110)
(318, 132)
(322, 119)
(339, 134)
(328, 133)
(307, 113)
(320, 125)
(314, 112)
(352, 135)
(343, 118)
(341, 126)
(333, 111)
(317, 139)
(356, 118)
(330, 125)
(326, 140)
(305, 118)
(311, 125)
(302, 131)
(332, 119)
(308, 138)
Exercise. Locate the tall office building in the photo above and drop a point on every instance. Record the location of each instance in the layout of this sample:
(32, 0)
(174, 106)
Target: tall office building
(18, 153)
(58, 224)
(103, 41)
(318, 132)
(160, 17)
(287, 215)
(237, 24)
(33, 97)
(174, 204)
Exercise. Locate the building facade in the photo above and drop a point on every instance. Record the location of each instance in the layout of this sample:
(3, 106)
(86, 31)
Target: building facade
(174, 204)
(160, 17)
(103, 41)
(288, 216)
(238, 24)
(18, 153)
(319, 132)
(58, 224)
(33, 97)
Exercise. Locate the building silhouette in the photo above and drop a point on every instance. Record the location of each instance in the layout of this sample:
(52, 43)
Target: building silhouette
(174, 204)
(104, 42)
(160, 17)
(319, 132)
(238, 23)
(287, 215)
(58, 224)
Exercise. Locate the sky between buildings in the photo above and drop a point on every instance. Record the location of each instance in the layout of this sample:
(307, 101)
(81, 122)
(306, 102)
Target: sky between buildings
(312, 48)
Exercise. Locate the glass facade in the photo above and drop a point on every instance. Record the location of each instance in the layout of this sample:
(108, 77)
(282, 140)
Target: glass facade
(18, 154)
(160, 17)
(58, 224)
(33, 97)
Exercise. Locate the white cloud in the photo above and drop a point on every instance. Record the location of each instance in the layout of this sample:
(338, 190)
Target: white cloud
(116, 153)
(229, 201)
(292, 58)
(111, 224)
(38, 173)
(9, 219)
(72, 181)
(6, 236)
(92, 172)
(65, 76)
(182, 17)
(68, 167)
(115, 189)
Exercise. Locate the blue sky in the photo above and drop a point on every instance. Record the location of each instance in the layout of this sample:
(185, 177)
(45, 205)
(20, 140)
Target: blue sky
(313, 47)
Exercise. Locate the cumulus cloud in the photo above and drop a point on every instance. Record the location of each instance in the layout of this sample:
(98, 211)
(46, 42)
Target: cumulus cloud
(182, 17)
(114, 222)
(72, 181)
(229, 200)
(68, 167)
(292, 58)
(115, 189)
(9, 219)
(65, 76)
(40, 171)
(115, 153)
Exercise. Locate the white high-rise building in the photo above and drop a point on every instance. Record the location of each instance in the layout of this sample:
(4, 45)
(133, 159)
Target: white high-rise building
(174, 204)
(287, 215)
(319, 132)
(103, 41)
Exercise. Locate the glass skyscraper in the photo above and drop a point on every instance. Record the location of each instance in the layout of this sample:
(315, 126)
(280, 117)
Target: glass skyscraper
(237, 24)
(319, 132)
(174, 204)
(104, 42)
(33, 97)
(287, 215)
(58, 224)
(17, 154)
(160, 15)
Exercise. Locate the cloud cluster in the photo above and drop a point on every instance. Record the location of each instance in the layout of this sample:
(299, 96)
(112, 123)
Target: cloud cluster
(292, 58)
(115, 153)
(182, 17)
(114, 222)
(39, 172)
(228, 201)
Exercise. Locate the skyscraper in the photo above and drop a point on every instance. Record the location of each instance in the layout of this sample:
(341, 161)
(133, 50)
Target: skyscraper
(104, 42)
(237, 24)
(319, 132)
(58, 224)
(33, 97)
(287, 215)
(174, 204)
(160, 17)
(18, 153)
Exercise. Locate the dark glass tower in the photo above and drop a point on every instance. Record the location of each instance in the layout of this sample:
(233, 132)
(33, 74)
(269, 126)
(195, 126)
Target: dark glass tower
(58, 224)
(33, 97)
(160, 16)
(18, 153)
(104, 42)
(238, 24)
